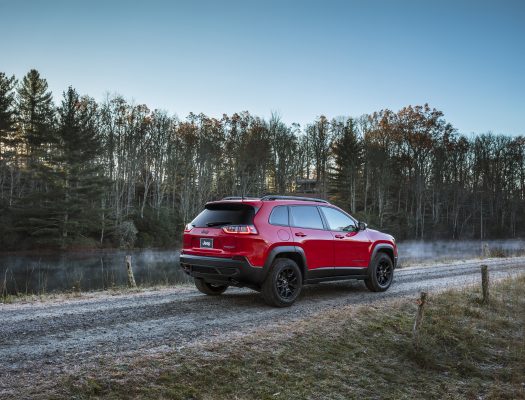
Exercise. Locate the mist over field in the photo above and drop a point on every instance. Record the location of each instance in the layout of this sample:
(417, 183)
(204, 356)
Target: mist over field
(96, 270)
(412, 252)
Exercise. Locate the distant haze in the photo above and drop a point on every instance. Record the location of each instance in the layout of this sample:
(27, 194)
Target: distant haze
(412, 252)
(95, 270)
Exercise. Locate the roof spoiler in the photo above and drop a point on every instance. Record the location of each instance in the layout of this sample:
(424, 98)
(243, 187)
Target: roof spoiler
(297, 198)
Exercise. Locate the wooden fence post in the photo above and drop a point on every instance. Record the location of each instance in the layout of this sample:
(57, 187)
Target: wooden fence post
(131, 278)
(4, 286)
(419, 318)
(485, 283)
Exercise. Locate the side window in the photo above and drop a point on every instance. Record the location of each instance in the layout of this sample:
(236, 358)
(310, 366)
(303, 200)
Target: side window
(279, 216)
(337, 221)
(306, 217)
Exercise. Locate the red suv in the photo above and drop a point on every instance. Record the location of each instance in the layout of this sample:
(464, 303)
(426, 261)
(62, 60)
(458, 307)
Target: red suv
(276, 244)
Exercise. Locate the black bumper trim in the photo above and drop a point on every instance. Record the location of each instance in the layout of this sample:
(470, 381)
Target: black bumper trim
(237, 272)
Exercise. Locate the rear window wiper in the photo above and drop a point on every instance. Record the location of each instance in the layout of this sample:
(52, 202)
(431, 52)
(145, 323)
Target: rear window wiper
(218, 223)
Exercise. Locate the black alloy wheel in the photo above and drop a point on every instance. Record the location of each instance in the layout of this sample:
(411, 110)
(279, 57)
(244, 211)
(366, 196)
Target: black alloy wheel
(380, 273)
(384, 273)
(283, 283)
(287, 283)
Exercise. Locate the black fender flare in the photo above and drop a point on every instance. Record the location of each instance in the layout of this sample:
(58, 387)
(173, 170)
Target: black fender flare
(285, 249)
(381, 246)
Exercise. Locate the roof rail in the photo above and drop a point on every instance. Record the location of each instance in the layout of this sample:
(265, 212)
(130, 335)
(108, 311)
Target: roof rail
(271, 197)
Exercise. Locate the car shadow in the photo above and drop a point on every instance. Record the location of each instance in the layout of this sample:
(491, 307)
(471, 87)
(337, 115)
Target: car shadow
(243, 298)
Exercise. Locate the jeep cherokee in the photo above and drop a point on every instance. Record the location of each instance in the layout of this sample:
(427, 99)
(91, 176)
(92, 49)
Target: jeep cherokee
(276, 244)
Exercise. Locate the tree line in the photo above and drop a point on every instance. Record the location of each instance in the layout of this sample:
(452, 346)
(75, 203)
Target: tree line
(85, 174)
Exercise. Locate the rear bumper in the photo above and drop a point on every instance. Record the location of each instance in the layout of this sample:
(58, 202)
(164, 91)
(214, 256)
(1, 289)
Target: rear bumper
(233, 271)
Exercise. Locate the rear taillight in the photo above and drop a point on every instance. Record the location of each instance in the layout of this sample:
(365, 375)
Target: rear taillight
(188, 227)
(240, 229)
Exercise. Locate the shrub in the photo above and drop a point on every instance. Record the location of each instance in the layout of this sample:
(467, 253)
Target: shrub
(126, 234)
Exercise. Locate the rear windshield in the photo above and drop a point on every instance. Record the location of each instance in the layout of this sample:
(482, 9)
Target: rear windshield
(224, 214)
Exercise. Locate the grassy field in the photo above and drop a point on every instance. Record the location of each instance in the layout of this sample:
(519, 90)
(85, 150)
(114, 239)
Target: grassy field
(467, 350)
(23, 298)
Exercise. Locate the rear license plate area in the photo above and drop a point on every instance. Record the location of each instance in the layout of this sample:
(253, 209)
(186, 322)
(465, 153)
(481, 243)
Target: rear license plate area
(206, 243)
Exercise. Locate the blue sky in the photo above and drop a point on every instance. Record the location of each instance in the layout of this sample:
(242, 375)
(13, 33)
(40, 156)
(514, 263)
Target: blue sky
(298, 58)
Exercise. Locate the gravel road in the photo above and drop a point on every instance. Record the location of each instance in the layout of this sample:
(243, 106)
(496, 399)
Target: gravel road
(56, 335)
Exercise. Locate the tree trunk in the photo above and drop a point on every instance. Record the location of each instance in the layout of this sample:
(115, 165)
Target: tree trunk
(131, 277)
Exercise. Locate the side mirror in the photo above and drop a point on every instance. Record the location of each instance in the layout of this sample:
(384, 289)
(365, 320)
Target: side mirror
(361, 226)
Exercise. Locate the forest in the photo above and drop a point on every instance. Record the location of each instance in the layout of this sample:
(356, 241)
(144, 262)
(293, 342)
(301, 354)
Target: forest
(85, 174)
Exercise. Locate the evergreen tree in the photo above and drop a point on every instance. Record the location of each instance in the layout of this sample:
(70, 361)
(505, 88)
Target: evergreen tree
(7, 112)
(7, 172)
(36, 136)
(7, 125)
(36, 115)
(80, 182)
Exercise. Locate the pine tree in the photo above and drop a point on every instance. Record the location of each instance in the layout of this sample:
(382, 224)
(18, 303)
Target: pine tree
(7, 125)
(80, 176)
(7, 172)
(36, 116)
(7, 112)
(36, 136)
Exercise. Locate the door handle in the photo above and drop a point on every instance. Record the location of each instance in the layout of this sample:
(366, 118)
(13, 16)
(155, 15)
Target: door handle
(339, 236)
(300, 234)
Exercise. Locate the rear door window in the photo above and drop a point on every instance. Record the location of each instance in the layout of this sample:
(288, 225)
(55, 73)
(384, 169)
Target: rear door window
(279, 216)
(218, 215)
(305, 217)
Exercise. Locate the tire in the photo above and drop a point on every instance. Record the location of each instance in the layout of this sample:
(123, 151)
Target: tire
(283, 284)
(211, 289)
(380, 273)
